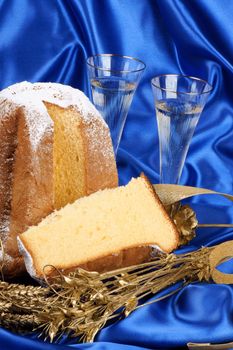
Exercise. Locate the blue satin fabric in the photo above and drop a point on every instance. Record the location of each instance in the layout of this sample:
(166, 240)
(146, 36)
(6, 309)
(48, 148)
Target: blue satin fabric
(50, 41)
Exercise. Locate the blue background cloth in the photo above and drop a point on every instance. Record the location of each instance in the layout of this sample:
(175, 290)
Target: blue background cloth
(50, 41)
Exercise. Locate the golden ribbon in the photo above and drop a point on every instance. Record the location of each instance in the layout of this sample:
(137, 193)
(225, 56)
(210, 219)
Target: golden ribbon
(208, 346)
(219, 254)
(170, 194)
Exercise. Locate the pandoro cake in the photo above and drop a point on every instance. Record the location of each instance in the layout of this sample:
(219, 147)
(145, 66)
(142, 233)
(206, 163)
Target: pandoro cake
(106, 230)
(55, 148)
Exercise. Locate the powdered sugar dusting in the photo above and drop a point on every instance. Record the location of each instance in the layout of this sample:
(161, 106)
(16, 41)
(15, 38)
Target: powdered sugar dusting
(5, 258)
(65, 96)
(100, 142)
(38, 121)
(31, 96)
(39, 124)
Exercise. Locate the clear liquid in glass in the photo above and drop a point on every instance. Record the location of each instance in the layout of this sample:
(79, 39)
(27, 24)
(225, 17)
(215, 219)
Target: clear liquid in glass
(112, 97)
(176, 124)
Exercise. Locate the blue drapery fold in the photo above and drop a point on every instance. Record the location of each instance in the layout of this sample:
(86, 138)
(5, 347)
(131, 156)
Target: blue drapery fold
(50, 41)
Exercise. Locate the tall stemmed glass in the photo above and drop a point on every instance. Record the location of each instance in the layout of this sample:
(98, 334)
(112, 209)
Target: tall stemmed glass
(114, 79)
(179, 101)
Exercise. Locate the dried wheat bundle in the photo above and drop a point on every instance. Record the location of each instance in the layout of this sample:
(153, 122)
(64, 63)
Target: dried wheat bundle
(80, 304)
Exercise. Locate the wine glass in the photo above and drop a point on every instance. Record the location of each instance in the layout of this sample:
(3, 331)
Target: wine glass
(179, 101)
(114, 79)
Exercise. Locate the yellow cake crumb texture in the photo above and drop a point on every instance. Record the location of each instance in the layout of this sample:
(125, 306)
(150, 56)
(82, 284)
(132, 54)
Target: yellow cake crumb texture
(68, 150)
(101, 224)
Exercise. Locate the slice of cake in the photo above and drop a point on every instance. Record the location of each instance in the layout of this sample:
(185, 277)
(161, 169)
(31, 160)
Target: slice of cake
(55, 148)
(96, 231)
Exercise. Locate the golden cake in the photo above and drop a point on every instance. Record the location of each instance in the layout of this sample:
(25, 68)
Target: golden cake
(106, 230)
(55, 148)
